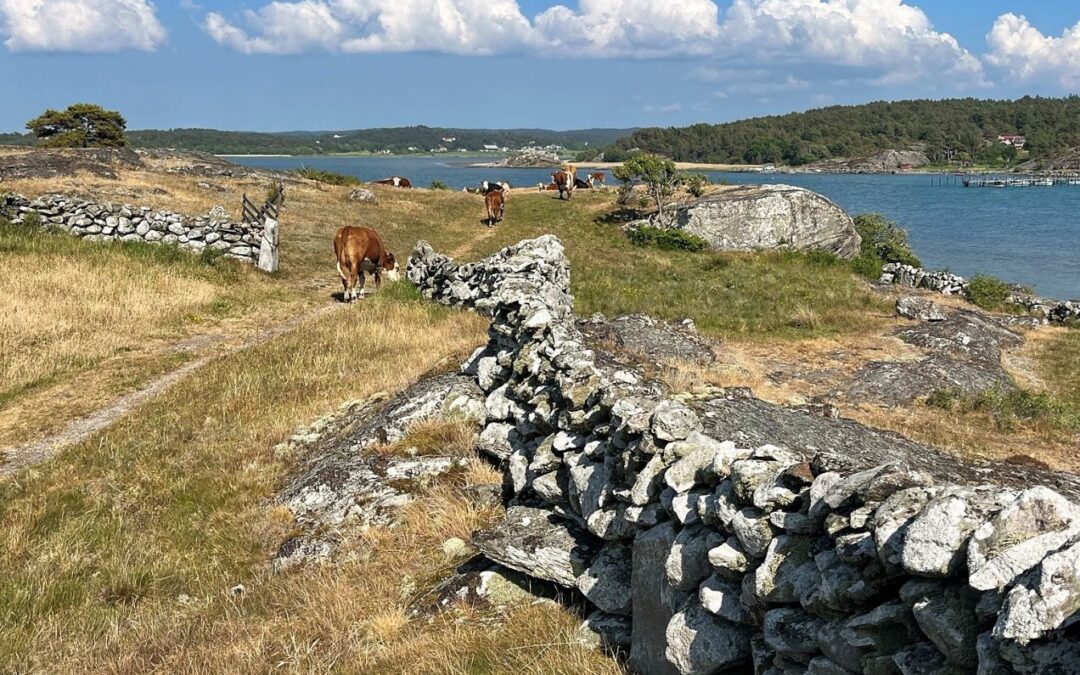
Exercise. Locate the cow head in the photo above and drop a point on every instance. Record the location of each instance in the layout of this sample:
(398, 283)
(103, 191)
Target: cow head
(390, 266)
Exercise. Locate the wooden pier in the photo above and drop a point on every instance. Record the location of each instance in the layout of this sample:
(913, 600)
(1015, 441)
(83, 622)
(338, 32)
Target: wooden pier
(1005, 181)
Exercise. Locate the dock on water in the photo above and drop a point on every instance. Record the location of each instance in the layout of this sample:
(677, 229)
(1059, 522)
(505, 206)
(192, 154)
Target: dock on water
(997, 181)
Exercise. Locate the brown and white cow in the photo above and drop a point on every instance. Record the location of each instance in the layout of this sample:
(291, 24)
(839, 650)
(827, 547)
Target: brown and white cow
(564, 183)
(360, 250)
(597, 177)
(496, 207)
(395, 181)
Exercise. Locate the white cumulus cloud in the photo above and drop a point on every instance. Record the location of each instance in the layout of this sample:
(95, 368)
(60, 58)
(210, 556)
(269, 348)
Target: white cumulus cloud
(639, 28)
(279, 28)
(80, 25)
(1025, 52)
(892, 41)
(889, 36)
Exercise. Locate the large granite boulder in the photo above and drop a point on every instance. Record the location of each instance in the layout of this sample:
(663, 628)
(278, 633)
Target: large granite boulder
(752, 217)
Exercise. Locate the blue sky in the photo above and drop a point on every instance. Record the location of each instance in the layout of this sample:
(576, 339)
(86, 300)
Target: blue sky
(343, 64)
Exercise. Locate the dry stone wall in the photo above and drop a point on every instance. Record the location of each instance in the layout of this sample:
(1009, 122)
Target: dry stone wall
(1052, 311)
(701, 556)
(95, 221)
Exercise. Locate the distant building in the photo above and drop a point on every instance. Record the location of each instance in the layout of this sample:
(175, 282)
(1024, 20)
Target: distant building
(488, 147)
(905, 166)
(1017, 142)
(449, 140)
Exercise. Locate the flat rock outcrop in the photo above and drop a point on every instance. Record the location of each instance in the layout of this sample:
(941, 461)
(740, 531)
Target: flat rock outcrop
(964, 356)
(756, 217)
(338, 482)
(648, 339)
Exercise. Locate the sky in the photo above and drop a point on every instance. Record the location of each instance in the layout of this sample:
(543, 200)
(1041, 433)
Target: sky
(280, 65)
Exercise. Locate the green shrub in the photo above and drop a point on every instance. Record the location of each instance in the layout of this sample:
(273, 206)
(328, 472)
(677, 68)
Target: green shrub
(988, 292)
(696, 183)
(439, 185)
(666, 239)
(883, 241)
(328, 177)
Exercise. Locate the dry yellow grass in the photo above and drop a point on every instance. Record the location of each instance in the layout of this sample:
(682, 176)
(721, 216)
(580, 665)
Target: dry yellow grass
(119, 554)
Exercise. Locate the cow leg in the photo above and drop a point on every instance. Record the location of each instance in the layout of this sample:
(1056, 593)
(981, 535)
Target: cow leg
(344, 283)
(361, 282)
(378, 278)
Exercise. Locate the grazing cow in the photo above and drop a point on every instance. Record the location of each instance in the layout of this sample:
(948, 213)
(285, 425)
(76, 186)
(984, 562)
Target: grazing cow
(496, 207)
(395, 181)
(360, 250)
(564, 184)
(597, 177)
(488, 186)
(473, 191)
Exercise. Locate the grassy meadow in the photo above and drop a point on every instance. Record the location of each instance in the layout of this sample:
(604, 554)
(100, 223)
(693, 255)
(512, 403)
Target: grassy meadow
(121, 551)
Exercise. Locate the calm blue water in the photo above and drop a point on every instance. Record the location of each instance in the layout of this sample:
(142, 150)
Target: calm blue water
(1026, 235)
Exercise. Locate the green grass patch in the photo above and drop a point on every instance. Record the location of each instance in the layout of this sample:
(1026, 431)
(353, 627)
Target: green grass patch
(1011, 409)
(328, 177)
(666, 239)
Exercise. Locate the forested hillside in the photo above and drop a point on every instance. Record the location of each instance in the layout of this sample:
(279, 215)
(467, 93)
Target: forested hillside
(955, 129)
(397, 139)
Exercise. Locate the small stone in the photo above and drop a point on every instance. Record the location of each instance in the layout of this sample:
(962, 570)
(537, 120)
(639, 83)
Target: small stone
(455, 547)
(700, 643)
(673, 421)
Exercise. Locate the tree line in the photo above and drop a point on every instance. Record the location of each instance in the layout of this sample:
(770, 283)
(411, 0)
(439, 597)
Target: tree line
(952, 130)
(84, 125)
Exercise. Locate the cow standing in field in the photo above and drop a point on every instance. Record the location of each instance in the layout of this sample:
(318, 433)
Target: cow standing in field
(360, 250)
(597, 177)
(395, 181)
(495, 202)
(564, 183)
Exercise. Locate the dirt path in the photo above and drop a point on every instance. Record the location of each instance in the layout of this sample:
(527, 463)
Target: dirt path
(14, 459)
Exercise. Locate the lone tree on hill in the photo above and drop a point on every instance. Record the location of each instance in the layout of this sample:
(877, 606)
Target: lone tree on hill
(658, 174)
(82, 125)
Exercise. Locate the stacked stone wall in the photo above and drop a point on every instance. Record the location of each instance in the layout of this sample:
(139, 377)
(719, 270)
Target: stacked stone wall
(103, 221)
(1050, 311)
(700, 556)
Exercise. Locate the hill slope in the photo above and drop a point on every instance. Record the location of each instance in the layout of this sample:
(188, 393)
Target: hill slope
(394, 139)
(954, 128)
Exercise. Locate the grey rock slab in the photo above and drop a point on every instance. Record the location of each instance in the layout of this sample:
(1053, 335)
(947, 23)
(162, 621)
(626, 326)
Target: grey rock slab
(924, 659)
(606, 581)
(945, 613)
(823, 665)
(750, 218)
(752, 528)
(1054, 657)
(919, 309)
(892, 519)
(1017, 539)
(1046, 600)
(687, 564)
(609, 633)
(788, 570)
(884, 629)
(936, 540)
(652, 600)
(730, 559)
(721, 597)
(539, 543)
(791, 631)
(673, 421)
(699, 643)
